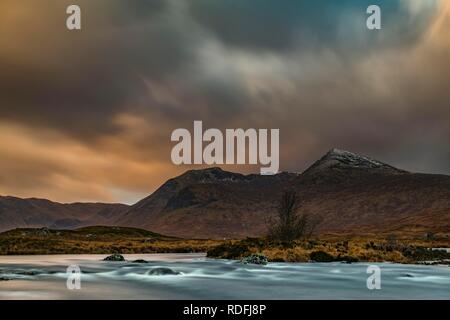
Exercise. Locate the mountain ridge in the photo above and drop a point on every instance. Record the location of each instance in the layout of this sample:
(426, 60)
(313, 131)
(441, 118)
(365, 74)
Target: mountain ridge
(344, 189)
(348, 192)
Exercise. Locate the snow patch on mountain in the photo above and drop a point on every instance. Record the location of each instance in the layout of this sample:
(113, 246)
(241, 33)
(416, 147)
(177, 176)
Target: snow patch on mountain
(342, 159)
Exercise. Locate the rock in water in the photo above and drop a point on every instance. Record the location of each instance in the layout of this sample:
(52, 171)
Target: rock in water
(140, 261)
(407, 275)
(114, 257)
(347, 259)
(257, 258)
(162, 272)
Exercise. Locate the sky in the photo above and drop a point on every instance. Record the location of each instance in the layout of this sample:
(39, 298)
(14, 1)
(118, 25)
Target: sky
(87, 115)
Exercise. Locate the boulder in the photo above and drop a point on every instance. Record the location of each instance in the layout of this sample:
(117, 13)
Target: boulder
(114, 257)
(256, 258)
(347, 259)
(407, 275)
(162, 271)
(140, 261)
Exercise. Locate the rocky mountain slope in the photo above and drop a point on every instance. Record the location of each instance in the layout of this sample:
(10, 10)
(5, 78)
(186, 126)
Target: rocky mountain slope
(345, 191)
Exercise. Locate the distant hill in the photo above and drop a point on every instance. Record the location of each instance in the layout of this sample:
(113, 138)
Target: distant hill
(92, 240)
(93, 232)
(349, 193)
(33, 213)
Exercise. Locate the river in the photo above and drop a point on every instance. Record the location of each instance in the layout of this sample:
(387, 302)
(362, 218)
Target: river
(45, 277)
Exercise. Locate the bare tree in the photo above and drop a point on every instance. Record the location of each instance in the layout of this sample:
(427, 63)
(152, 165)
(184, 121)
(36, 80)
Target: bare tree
(290, 225)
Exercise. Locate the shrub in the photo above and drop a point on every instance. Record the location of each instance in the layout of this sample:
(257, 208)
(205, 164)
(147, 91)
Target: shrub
(290, 225)
(321, 256)
(229, 251)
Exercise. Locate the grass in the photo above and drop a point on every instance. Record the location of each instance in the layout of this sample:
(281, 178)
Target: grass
(96, 240)
(358, 249)
(109, 240)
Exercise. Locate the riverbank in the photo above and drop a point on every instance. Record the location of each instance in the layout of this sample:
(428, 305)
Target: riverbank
(355, 250)
(96, 240)
(109, 240)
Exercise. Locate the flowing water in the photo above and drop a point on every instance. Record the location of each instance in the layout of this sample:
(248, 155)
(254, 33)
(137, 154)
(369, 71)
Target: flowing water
(45, 277)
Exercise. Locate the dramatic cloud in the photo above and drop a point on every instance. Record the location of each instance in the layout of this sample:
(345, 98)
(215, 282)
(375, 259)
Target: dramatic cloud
(87, 115)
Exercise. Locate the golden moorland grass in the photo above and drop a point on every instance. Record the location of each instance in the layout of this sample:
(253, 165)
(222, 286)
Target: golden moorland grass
(108, 240)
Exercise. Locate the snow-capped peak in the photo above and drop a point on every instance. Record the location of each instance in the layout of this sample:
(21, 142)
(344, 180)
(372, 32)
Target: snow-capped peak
(336, 158)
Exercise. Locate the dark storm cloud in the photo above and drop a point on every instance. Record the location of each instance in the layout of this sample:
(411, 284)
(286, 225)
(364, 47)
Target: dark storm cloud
(82, 80)
(282, 25)
(97, 72)
(78, 81)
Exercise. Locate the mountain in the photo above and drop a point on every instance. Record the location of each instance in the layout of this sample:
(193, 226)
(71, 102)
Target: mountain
(356, 194)
(32, 212)
(209, 203)
(345, 191)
